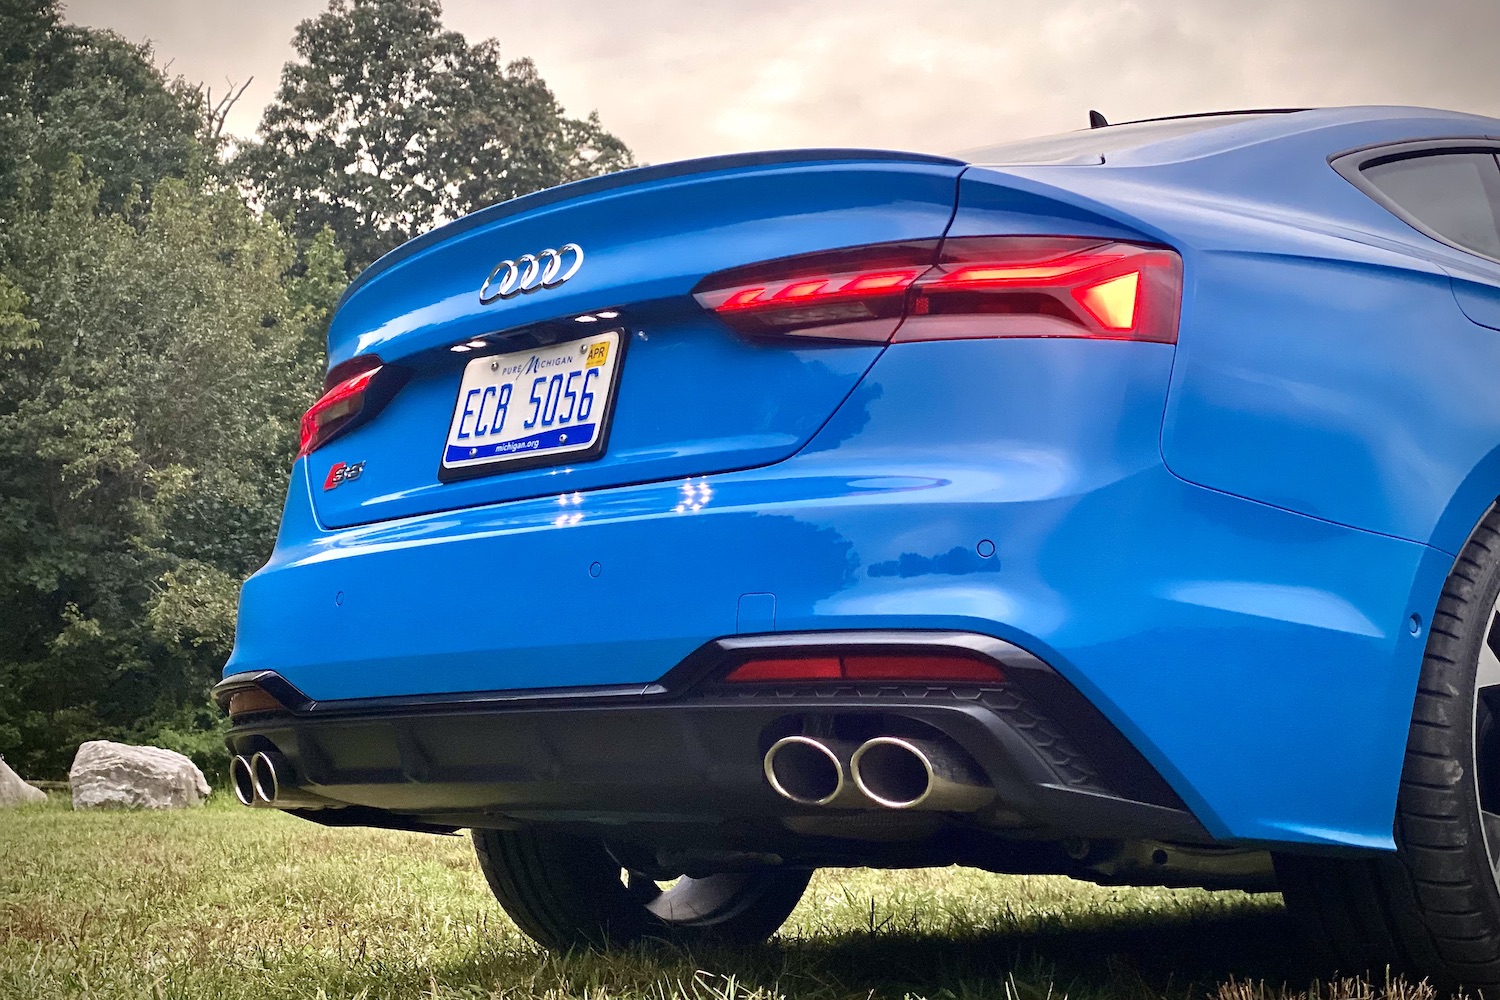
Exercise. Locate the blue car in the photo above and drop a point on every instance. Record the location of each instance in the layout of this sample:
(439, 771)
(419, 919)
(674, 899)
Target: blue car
(1119, 504)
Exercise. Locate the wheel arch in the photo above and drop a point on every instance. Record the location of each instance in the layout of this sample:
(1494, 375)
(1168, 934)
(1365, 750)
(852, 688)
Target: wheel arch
(1478, 491)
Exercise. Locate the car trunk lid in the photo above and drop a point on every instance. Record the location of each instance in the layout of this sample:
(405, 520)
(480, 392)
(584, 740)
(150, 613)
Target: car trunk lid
(690, 396)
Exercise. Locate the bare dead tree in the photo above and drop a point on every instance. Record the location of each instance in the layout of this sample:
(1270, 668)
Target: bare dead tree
(217, 113)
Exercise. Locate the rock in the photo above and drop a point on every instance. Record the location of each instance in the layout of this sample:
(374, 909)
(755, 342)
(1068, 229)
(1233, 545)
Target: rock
(14, 791)
(117, 774)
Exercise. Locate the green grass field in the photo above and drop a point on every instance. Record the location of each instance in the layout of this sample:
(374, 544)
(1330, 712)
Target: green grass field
(224, 902)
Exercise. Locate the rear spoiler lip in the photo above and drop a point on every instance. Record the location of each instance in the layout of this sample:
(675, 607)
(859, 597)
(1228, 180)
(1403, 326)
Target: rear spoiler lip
(628, 178)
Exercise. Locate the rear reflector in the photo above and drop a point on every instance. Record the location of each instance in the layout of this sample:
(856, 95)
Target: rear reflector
(994, 286)
(812, 668)
(248, 700)
(869, 667)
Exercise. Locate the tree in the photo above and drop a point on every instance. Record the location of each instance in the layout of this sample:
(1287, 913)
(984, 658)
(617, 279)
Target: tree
(154, 354)
(387, 124)
(159, 337)
(152, 366)
(70, 91)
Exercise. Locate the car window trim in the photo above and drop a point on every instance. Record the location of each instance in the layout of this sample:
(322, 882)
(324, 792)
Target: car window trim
(1351, 165)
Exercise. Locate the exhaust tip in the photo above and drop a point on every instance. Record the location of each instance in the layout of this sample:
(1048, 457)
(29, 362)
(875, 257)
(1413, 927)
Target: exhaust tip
(263, 778)
(242, 780)
(894, 772)
(804, 770)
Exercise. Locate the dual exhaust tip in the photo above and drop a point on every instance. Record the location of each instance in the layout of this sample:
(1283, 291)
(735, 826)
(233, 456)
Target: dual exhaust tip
(893, 772)
(261, 780)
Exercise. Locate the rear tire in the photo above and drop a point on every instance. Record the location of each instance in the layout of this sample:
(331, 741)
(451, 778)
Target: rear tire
(1433, 908)
(565, 892)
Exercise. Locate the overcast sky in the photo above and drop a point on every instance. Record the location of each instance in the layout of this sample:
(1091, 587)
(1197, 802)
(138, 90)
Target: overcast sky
(678, 78)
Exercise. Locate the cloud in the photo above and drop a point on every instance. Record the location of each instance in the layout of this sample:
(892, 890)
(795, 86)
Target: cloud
(693, 78)
(678, 78)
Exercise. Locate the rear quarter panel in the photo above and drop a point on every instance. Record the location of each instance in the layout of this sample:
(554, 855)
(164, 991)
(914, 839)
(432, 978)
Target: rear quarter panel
(1324, 363)
(1352, 390)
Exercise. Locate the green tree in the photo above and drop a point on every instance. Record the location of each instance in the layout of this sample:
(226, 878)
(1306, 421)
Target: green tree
(157, 342)
(152, 364)
(71, 91)
(388, 124)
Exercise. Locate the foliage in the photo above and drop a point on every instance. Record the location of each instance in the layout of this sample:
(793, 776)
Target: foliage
(159, 336)
(68, 91)
(388, 124)
(152, 380)
(96, 279)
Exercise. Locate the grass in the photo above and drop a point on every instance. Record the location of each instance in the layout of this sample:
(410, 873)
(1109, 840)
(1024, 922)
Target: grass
(224, 902)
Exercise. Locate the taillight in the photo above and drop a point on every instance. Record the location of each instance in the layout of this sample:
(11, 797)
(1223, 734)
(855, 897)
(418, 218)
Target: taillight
(1047, 287)
(868, 667)
(855, 294)
(994, 286)
(344, 399)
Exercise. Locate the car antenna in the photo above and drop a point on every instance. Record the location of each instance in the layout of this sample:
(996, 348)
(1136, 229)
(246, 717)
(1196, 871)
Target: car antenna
(1096, 120)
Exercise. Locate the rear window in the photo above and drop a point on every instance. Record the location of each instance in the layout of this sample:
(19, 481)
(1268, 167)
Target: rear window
(1454, 196)
(1091, 145)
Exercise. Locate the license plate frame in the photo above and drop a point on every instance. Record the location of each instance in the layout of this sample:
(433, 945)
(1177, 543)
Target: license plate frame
(489, 369)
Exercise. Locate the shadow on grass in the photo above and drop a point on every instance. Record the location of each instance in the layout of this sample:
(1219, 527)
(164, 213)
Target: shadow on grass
(1117, 956)
(1130, 956)
(1114, 956)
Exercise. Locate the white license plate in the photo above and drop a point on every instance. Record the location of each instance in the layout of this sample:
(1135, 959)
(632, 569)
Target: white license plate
(534, 406)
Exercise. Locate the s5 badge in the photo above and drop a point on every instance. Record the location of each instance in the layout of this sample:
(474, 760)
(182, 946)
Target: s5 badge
(343, 472)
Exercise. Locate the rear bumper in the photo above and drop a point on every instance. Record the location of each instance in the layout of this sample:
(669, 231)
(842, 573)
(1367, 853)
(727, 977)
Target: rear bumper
(691, 748)
(1260, 661)
(684, 759)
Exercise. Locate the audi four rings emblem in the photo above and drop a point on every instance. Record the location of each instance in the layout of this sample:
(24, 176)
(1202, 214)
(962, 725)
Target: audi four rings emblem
(530, 272)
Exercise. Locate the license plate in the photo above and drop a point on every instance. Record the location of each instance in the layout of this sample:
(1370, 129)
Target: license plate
(533, 407)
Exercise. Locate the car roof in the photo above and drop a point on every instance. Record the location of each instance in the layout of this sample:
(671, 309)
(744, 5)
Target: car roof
(1165, 140)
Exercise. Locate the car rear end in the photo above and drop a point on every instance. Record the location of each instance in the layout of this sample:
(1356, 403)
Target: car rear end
(808, 505)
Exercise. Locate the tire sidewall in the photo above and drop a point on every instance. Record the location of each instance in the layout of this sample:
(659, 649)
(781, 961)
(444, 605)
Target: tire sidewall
(1444, 721)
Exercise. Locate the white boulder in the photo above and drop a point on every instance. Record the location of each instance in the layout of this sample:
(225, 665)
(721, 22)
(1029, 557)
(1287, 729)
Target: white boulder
(117, 774)
(14, 791)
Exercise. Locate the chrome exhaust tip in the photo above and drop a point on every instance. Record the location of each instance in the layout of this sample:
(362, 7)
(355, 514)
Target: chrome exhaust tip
(901, 773)
(805, 770)
(242, 780)
(275, 784)
(264, 779)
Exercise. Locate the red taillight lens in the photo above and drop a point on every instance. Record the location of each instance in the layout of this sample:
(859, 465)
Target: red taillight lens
(869, 667)
(855, 294)
(1047, 287)
(993, 286)
(342, 401)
